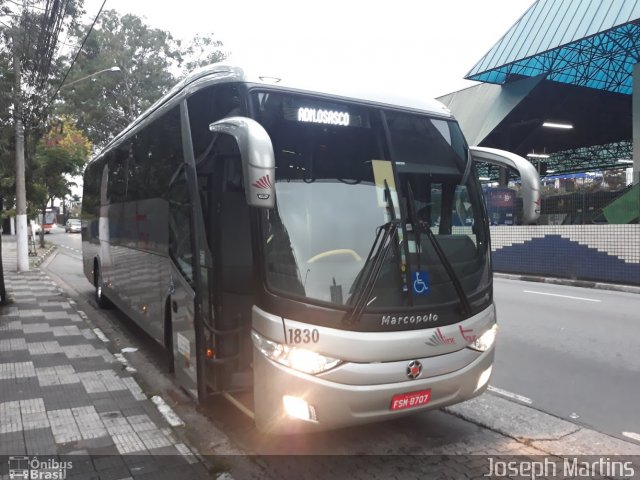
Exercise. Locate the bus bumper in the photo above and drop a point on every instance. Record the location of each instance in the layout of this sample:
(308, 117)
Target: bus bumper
(335, 405)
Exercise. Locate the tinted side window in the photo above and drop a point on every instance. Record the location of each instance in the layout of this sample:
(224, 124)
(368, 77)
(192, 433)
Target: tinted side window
(208, 106)
(180, 225)
(117, 160)
(156, 155)
(91, 188)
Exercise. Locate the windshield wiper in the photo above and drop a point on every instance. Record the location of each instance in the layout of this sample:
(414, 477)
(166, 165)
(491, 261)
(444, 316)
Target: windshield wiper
(417, 226)
(385, 237)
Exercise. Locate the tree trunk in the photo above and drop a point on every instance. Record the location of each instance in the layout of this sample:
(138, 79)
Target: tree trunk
(3, 291)
(44, 217)
(21, 193)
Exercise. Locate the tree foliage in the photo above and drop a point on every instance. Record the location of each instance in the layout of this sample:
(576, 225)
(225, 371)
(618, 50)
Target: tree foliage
(150, 62)
(62, 152)
(30, 30)
(201, 50)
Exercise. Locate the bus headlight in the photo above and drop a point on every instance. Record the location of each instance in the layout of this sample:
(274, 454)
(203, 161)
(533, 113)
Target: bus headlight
(485, 341)
(297, 358)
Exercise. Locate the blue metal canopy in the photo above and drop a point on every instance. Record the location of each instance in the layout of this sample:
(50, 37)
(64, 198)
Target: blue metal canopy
(591, 43)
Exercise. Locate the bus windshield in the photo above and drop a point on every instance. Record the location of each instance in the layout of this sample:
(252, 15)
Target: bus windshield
(334, 162)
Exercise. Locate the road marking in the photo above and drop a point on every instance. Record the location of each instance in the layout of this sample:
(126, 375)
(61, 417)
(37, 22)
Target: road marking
(100, 334)
(563, 296)
(125, 362)
(514, 396)
(167, 412)
(632, 435)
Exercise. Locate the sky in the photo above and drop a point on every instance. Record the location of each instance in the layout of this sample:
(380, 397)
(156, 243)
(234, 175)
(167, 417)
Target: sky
(422, 47)
(425, 47)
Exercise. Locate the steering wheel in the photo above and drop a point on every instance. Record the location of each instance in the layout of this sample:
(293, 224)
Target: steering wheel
(337, 251)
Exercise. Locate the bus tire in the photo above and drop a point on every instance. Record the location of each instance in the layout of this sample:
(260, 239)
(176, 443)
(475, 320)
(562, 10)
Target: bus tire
(101, 300)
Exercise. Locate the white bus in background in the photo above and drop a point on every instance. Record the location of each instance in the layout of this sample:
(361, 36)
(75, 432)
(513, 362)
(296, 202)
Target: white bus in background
(294, 250)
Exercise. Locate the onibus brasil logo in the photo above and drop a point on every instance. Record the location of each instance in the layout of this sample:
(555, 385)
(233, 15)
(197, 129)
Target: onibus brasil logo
(32, 468)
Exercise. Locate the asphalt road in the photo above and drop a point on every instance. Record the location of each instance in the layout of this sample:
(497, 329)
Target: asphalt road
(573, 352)
(568, 351)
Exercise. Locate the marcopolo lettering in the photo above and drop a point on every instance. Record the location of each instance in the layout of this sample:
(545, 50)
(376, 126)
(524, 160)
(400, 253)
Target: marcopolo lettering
(408, 319)
(323, 116)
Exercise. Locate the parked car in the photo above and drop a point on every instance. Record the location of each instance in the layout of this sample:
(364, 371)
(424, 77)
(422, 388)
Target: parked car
(73, 225)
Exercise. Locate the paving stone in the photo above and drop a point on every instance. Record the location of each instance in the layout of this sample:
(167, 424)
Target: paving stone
(18, 388)
(44, 348)
(153, 438)
(115, 473)
(72, 340)
(128, 442)
(29, 313)
(56, 315)
(82, 351)
(17, 356)
(12, 344)
(58, 375)
(17, 370)
(51, 360)
(12, 443)
(40, 442)
(88, 364)
(63, 392)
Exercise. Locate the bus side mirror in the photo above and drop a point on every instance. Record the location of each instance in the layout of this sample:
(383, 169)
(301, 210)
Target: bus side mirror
(258, 161)
(527, 172)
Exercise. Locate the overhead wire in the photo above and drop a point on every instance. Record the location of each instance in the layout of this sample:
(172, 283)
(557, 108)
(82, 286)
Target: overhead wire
(53, 97)
(57, 16)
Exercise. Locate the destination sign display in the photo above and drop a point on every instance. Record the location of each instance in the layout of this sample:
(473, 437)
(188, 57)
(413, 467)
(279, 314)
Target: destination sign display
(306, 110)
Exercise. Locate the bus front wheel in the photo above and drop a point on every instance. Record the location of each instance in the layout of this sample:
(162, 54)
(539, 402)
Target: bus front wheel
(101, 300)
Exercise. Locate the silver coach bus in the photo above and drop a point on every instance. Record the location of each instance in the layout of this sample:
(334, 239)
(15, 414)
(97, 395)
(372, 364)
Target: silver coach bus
(320, 258)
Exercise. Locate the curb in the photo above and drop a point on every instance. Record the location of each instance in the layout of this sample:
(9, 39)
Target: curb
(540, 430)
(570, 282)
(37, 261)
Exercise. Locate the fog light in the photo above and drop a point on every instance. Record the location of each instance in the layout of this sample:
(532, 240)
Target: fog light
(296, 407)
(484, 378)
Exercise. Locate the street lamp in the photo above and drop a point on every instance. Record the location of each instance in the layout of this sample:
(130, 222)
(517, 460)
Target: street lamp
(112, 69)
(124, 81)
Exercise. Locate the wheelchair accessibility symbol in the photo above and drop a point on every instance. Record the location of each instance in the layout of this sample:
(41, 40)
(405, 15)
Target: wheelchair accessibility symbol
(421, 283)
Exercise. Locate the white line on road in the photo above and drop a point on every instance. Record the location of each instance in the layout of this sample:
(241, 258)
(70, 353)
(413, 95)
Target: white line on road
(100, 334)
(563, 296)
(514, 396)
(167, 412)
(632, 435)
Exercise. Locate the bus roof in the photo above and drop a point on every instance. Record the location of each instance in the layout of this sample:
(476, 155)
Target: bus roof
(338, 87)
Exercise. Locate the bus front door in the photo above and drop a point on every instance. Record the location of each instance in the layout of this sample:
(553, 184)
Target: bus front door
(230, 277)
(183, 331)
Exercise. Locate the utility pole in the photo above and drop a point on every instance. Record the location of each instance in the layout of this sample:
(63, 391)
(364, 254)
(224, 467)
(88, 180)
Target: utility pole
(21, 193)
(3, 290)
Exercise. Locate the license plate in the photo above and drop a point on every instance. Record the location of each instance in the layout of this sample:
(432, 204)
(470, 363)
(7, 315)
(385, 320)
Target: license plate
(410, 400)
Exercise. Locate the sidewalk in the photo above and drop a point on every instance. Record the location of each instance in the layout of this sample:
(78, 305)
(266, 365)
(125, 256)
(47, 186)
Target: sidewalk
(63, 392)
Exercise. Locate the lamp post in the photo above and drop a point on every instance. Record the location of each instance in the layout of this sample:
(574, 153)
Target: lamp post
(111, 69)
(125, 81)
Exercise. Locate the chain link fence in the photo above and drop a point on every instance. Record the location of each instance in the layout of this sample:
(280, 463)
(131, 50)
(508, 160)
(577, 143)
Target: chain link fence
(588, 230)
